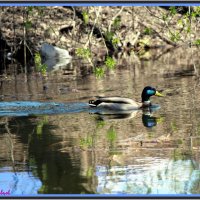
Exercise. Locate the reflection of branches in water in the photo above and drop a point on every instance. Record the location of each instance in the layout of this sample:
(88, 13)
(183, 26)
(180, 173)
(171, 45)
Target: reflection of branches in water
(28, 145)
(157, 55)
(11, 146)
(16, 180)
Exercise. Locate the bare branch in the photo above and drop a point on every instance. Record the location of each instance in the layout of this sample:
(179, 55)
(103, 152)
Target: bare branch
(109, 28)
(95, 21)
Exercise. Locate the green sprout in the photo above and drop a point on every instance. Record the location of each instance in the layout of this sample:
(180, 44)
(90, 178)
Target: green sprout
(100, 124)
(86, 142)
(115, 41)
(175, 37)
(109, 36)
(83, 52)
(28, 24)
(40, 125)
(197, 42)
(111, 134)
(99, 72)
(148, 31)
(164, 17)
(116, 22)
(85, 17)
(110, 62)
(172, 10)
(38, 63)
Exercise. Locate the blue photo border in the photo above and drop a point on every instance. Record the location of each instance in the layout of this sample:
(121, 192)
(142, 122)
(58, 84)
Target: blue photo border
(101, 3)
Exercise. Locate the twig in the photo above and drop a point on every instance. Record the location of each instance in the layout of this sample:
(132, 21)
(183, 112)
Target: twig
(109, 28)
(102, 36)
(158, 34)
(95, 21)
(153, 13)
(136, 38)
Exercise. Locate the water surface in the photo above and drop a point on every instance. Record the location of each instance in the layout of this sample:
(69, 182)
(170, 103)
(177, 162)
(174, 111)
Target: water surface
(51, 140)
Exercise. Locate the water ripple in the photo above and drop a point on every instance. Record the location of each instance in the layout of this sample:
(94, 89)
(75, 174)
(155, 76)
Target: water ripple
(26, 108)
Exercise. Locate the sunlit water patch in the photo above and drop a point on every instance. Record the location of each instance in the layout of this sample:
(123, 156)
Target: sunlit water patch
(155, 176)
(19, 182)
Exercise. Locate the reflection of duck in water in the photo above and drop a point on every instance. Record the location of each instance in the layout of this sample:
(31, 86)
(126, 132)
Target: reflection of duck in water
(148, 119)
(121, 105)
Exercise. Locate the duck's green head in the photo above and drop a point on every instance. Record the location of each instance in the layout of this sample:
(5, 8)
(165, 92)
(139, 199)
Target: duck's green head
(148, 92)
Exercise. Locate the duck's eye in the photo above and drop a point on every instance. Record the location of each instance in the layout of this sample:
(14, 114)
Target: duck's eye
(150, 92)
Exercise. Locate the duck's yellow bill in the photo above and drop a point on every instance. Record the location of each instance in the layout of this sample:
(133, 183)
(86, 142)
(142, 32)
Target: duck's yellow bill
(159, 94)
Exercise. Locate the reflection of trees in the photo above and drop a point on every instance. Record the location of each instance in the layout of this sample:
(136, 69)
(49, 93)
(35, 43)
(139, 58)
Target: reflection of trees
(12, 150)
(54, 168)
(10, 141)
(196, 186)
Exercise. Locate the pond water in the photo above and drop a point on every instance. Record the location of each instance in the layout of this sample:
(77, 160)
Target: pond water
(53, 143)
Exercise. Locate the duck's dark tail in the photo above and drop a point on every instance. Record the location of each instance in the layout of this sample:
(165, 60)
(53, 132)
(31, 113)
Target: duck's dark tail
(94, 103)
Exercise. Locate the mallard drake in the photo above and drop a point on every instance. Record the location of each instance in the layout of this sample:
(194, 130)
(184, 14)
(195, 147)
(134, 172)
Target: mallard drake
(125, 104)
